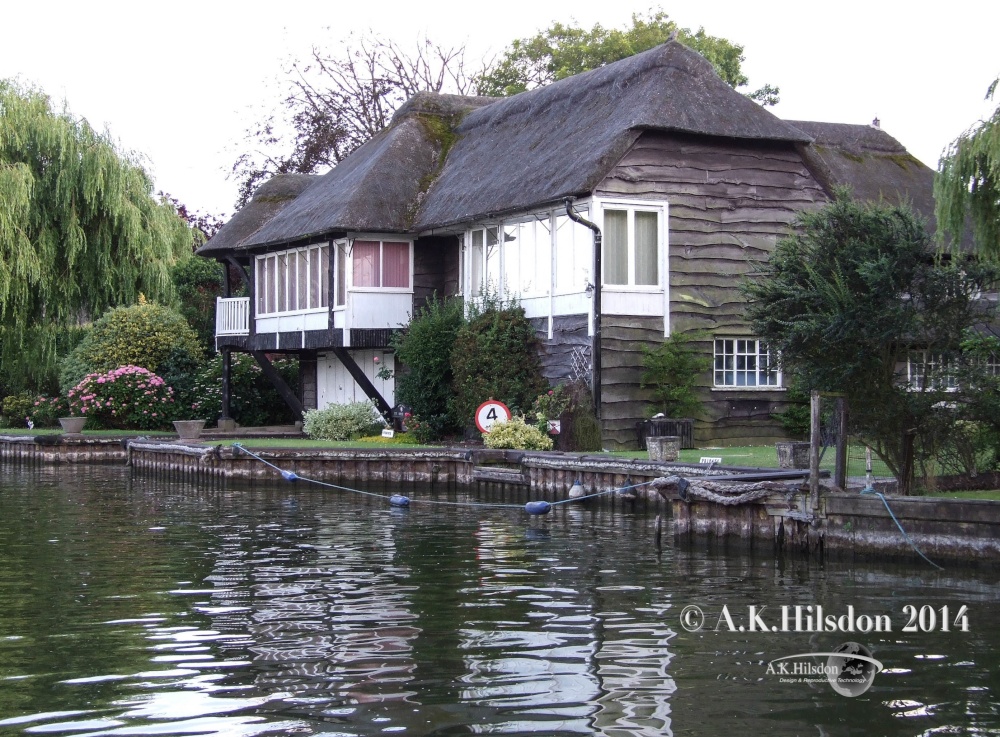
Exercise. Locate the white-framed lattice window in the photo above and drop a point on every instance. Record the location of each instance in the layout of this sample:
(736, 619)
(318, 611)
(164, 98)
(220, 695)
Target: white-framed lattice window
(296, 280)
(381, 264)
(745, 362)
(484, 260)
(632, 241)
(929, 370)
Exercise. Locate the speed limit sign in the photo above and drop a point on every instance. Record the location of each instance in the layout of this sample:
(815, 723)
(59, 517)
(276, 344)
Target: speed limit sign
(489, 413)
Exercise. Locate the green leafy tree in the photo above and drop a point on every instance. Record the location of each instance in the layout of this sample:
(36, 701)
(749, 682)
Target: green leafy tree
(79, 228)
(968, 183)
(849, 298)
(495, 356)
(563, 50)
(672, 370)
(145, 335)
(197, 283)
(425, 349)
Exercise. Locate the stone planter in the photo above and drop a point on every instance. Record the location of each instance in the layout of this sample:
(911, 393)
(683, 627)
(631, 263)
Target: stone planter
(189, 429)
(665, 448)
(72, 425)
(793, 455)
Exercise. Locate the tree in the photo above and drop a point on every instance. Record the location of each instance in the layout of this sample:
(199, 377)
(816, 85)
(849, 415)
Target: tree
(968, 183)
(79, 228)
(564, 50)
(337, 101)
(855, 296)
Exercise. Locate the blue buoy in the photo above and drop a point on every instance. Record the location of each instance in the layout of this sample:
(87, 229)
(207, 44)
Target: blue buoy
(289, 476)
(537, 507)
(398, 500)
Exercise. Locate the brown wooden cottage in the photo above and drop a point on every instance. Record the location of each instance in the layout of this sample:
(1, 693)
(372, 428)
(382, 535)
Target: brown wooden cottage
(685, 179)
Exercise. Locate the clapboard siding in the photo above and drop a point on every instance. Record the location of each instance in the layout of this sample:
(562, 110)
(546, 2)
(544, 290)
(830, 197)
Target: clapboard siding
(435, 268)
(729, 203)
(569, 335)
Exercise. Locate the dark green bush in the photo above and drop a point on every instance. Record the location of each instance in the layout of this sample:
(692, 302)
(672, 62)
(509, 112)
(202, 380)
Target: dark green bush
(495, 356)
(672, 371)
(17, 408)
(253, 401)
(425, 349)
(198, 281)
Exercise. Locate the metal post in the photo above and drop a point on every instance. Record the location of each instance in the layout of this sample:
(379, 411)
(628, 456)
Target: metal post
(814, 443)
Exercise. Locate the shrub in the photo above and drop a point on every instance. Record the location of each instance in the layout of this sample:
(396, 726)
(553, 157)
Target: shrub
(672, 371)
(342, 421)
(495, 356)
(584, 430)
(141, 335)
(550, 405)
(198, 281)
(516, 434)
(425, 350)
(47, 411)
(17, 408)
(126, 397)
(253, 400)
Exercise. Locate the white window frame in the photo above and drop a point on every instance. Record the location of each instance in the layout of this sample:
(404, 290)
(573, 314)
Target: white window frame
(917, 360)
(659, 207)
(266, 280)
(348, 275)
(769, 357)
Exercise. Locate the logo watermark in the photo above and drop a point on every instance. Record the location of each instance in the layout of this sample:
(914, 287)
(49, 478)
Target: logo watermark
(849, 669)
(813, 618)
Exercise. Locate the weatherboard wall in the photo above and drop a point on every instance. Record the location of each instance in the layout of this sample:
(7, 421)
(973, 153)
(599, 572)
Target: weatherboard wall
(729, 202)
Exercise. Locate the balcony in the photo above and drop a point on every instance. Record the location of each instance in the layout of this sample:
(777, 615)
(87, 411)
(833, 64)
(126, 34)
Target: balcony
(232, 316)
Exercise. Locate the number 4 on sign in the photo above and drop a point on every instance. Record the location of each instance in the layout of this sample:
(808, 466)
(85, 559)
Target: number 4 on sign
(491, 412)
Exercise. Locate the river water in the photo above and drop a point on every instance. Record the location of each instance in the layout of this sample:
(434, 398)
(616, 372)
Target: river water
(139, 606)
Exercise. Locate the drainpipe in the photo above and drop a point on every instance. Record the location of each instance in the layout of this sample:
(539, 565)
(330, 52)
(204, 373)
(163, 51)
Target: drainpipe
(595, 344)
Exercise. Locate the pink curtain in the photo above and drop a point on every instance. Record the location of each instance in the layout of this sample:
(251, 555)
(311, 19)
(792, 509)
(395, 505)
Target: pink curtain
(396, 264)
(366, 264)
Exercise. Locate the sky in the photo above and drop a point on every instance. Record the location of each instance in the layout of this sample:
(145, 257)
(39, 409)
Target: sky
(180, 83)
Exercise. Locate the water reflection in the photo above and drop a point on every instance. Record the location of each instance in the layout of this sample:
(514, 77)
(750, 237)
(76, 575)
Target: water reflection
(140, 607)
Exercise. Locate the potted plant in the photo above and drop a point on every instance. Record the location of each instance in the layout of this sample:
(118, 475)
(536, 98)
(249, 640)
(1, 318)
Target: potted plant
(72, 425)
(672, 372)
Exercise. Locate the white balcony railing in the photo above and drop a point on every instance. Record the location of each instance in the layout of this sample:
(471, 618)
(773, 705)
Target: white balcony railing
(232, 316)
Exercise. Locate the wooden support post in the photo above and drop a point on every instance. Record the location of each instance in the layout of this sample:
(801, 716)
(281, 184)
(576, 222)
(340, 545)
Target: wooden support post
(814, 446)
(345, 357)
(279, 384)
(840, 464)
(227, 388)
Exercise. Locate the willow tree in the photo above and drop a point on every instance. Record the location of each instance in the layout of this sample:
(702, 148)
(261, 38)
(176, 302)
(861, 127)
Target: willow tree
(80, 229)
(968, 183)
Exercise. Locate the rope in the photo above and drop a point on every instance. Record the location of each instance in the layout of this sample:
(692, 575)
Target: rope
(728, 494)
(870, 491)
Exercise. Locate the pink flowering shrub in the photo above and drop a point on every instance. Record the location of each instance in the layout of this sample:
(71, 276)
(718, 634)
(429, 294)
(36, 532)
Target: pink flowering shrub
(128, 397)
(46, 411)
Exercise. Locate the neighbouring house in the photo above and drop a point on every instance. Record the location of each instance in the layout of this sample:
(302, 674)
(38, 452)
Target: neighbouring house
(684, 179)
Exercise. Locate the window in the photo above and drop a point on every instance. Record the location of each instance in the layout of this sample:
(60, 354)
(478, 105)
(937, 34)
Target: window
(484, 264)
(381, 264)
(631, 246)
(928, 370)
(293, 281)
(744, 362)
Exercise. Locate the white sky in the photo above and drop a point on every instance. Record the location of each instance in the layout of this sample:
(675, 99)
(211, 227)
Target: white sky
(180, 82)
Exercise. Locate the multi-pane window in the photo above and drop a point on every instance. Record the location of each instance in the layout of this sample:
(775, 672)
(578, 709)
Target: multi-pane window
(928, 370)
(484, 260)
(744, 362)
(381, 264)
(631, 247)
(293, 281)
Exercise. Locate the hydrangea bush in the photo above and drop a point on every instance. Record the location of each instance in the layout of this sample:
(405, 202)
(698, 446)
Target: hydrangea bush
(46, 411)
(126, 397)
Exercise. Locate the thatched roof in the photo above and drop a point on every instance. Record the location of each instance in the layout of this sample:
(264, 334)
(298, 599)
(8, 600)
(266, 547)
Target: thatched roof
(271, 197)
(869, 161)
(562, 139)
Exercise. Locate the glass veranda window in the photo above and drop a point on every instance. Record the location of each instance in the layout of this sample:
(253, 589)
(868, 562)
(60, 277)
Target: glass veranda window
(744, 362)
(292, 281)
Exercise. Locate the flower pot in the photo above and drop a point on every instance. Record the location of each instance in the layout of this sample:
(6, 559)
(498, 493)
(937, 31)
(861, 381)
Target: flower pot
(665, 448)
(189, 429)
(72, 425)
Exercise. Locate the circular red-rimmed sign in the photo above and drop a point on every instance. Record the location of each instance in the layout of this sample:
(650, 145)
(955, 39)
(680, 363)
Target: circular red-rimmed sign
(489, 413)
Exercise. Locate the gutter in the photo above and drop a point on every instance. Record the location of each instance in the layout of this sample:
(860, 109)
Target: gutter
(595, 344)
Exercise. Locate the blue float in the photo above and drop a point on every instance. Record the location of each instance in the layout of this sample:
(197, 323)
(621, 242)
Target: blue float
(537, 508)
(289, 476)
(398, 500)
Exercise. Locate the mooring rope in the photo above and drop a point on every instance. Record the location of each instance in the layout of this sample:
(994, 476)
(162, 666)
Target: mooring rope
(728, 494)
(534, 508)
(870, 490)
